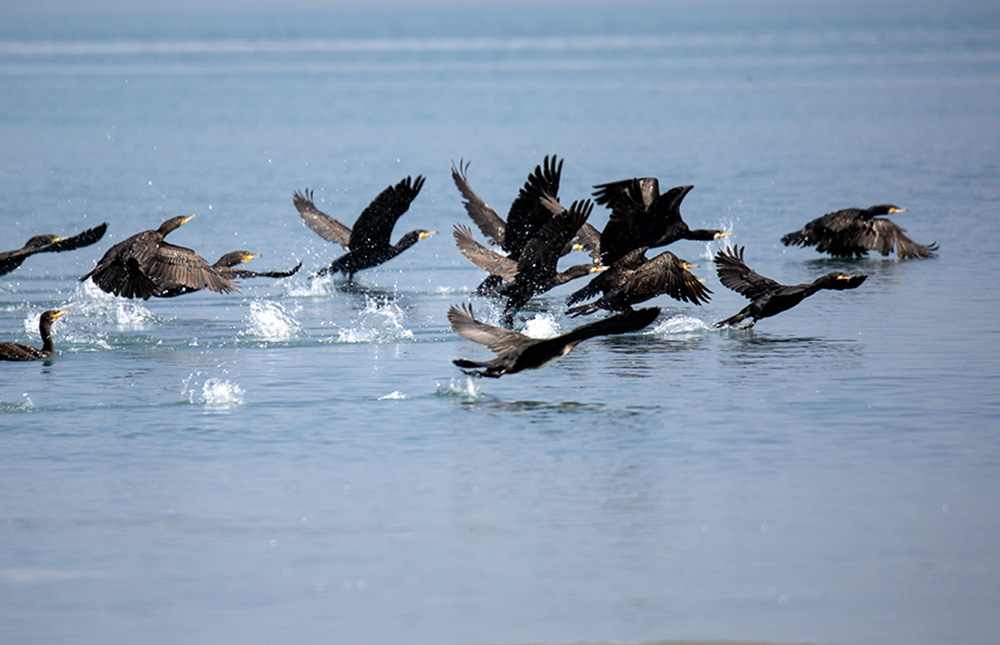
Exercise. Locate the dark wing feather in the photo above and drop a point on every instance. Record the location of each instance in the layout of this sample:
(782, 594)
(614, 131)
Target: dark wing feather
(498, 339)
(736, 275)
(373, 227)
(622, 323)
(613, 279)
(322, 224)
(180, 266)
(86, 238)
(491, 224)
(885, 236)
(626, 227)
(665, 273)
(233, 274)
(484, 258)
(527, 215)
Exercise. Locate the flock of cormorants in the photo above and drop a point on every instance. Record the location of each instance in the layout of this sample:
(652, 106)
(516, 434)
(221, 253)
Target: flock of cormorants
(538, 231)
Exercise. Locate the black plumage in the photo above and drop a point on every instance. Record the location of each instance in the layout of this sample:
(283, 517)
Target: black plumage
(516, 352)
(19, 352)
(537, 265)
(368, 243)
(526, 215)
(225, 266)
(144, 265)
(853, 232)
(504, 268)
(642, 216)
(633, 279)
(768, 297)
(10, 260)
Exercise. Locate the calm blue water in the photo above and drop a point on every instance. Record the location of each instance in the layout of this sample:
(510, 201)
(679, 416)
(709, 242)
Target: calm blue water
(301, 462)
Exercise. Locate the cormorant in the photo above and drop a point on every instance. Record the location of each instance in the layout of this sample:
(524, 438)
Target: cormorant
(368, 244)
(853, 232)
(144, 265)
(526, 215)
(518, 352)
(634, 279)
(225, 267)
(641, 216)
(536, 267)
(505, 268)
(10, 260)
(767, 297)
(19, 352)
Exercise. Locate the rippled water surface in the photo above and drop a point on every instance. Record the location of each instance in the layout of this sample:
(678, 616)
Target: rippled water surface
(302, 462)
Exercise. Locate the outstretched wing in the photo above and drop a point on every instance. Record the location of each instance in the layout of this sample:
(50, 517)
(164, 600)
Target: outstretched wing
(485, 258)
(736, 275)
(322, 224)
(86, 238)
(611, 193)
(500, 340)
(373, 227)
(622, 323)
(527, 215)
(172, 266)
(246, 273)
(667, 274)
(884, 235)
(491, 224)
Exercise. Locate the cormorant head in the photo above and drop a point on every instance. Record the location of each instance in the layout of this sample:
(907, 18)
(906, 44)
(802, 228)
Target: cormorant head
(840, 281)
(174, 223)
(707, 234)
(48, 317)
(233, 258)
(884, 209)
(413, 237)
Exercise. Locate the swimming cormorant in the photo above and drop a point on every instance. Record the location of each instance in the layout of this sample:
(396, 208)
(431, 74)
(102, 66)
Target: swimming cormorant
(145, 265)
(641, 216)
(10, 260)
(853, 232)
(368, 244)
(225, 266)
(504, 267)
(19, 352)
(767, 297)
(518, 352)
(634, 279)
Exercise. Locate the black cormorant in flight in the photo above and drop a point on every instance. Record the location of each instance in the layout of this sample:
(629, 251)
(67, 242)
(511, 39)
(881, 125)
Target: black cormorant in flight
(767, 297)
(642, 216)
(10, 260)
(145, 265)
(853, 232)
(226, 267)
(367, 244)
(516, 352)
(634, 279)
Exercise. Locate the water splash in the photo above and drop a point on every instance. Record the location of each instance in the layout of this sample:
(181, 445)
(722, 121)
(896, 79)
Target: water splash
(379, 322)
(680, 324)
(393, 396)
(27, 406)
(215, 393)
(541, 326)
(271, 321)
(462, 388)
(126, 315)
